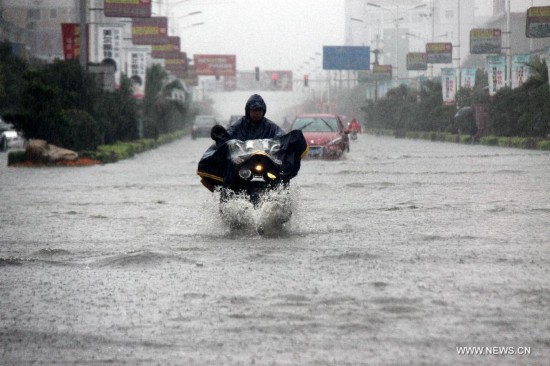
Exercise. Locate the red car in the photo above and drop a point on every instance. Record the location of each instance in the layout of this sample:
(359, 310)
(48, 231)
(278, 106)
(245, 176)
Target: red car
(325, 134)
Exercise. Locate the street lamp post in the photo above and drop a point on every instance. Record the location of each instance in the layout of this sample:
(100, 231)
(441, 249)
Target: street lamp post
(396, 20)
(83, 57)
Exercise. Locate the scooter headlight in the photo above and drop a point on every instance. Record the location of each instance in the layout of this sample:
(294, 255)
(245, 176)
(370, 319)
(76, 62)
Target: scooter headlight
(258, 168)
(244, 172)
(271, 176)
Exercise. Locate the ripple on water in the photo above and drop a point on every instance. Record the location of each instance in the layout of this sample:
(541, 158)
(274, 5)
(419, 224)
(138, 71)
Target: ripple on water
(10, 261)
(51, 252)
(139, 259)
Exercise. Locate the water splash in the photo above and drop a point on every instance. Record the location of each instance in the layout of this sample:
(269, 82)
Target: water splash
(270, 217)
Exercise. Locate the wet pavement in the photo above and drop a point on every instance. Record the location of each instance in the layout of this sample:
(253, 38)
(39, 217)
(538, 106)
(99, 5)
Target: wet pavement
(398, 254)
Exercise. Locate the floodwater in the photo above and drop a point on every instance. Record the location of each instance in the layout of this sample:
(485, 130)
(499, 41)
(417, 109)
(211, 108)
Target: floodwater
(398, 254)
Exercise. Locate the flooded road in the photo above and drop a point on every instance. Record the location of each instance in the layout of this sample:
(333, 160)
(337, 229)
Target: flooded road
(398, 254)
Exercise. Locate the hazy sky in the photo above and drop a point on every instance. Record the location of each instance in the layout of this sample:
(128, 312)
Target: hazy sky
(271, 34)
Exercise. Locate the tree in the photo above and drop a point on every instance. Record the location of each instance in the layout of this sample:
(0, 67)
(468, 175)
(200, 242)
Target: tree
(524, 111)
(117, 114)
(11, 73)
(163, 113)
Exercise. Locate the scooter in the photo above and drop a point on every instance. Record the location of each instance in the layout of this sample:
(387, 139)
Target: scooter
(353, 135)
(252, 169)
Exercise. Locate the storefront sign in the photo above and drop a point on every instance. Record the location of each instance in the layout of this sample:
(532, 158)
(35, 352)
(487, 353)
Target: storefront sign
(150, 31)
(127, 8)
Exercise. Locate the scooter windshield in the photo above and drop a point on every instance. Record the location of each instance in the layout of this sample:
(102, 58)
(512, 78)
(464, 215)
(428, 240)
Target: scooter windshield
(239, 150)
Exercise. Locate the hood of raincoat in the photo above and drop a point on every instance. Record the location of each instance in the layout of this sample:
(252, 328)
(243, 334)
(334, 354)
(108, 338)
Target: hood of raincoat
(255, 101)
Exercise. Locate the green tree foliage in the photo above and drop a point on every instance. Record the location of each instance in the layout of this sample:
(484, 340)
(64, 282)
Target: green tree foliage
(61, 103)
(524, 111)
(11, 72)
(405, 109)
(49, 91)
(79, 131)
(117, 114)
(521, 112)
(159, 105)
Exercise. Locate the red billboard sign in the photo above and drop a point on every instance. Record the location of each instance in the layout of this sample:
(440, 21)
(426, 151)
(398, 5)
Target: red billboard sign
(71, 40)
(150, 31)
(127, 8)
(216, 65)
(170, 49)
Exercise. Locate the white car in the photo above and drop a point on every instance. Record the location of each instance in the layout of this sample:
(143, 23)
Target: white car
(11, 140)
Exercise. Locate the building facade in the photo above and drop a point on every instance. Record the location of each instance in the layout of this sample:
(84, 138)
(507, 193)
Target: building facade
(36, 24)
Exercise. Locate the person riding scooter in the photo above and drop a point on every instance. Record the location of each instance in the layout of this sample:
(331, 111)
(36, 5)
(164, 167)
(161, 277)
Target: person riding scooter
(354, 126)
(253, 125)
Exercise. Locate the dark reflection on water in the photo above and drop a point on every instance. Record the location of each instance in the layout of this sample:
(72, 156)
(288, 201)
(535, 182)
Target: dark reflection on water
(399, 253)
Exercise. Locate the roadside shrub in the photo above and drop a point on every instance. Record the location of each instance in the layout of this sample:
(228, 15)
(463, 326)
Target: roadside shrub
(489, 140)
(466, 139)
(412, 134)
(543, 145)
(441, 136)
(504, 141)
(519, 142)
(81, 130)
(449, 137)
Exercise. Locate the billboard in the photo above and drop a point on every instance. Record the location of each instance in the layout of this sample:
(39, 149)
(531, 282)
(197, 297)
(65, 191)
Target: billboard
(538, 22)
(215, 65)
(109, 46)
(417, 61)
(71, 40)
(191, 78)
(496, 66)
(346, 58)
(520, 70)
(379, 73)
(468, 77)
(127, 8)
(150, 31)
(485, 41)
(177, 64)
(168, 49)
(137, 59)
(448, 83)
(439, 53)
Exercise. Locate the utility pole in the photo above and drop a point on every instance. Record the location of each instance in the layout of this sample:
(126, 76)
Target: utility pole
(83, 58)
(509, 48)
(459, 50)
